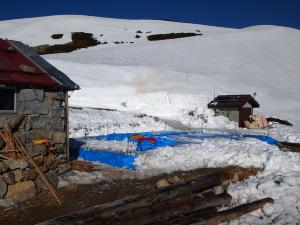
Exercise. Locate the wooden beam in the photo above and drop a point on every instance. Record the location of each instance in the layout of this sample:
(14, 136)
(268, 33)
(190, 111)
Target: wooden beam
(51, 188)
(67, 144)
(170, 209)
(231, 214)
(98, 213)
(15, 121)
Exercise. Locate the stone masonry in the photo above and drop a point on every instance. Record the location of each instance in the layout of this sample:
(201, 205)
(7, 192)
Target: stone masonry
(44, 117)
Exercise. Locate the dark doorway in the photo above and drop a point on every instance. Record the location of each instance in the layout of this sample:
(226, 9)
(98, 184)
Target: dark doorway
(244, 115)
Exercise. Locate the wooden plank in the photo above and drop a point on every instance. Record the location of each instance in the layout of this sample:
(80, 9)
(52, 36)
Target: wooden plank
(170, 209)
(187, 218)
(230, 214)
(292, 147)
(66, 123)
(84, 166)
(99, 213)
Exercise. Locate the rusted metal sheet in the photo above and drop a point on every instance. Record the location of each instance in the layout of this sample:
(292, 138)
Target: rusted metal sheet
(17, 69)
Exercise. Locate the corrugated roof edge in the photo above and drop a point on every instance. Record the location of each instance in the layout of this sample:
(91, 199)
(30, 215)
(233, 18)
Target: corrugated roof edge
(252, 100)
(62, 78)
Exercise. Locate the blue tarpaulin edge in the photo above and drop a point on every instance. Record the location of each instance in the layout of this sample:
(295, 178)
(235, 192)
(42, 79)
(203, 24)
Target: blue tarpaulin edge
(114, 159)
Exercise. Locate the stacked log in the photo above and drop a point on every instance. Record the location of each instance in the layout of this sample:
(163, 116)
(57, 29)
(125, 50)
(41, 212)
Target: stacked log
(191, 202)
(288, 146)
(85, 166)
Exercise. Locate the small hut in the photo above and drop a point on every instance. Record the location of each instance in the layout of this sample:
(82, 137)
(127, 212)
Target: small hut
(29, 85)
(237, 108)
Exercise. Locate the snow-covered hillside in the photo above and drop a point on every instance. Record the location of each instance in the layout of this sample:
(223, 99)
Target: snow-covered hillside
(166, 78)
(169, 78)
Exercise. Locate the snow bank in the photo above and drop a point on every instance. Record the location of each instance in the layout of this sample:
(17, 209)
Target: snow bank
(209, 153)
(280, 178)
(164, 78)
(93, 122)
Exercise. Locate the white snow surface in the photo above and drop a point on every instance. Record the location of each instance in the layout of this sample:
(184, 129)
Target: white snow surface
(172, 77)
(94, 122)
(163, 78)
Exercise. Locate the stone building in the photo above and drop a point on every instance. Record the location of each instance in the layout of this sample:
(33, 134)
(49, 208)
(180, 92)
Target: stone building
(31, 86)
(236, 108)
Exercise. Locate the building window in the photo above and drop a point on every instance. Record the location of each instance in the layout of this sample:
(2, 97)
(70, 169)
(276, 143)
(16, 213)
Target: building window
(7, 100)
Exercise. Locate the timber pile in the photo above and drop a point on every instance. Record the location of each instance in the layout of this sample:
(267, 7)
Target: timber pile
(22, 173)
(84, 166)
(287, 146)
(192, 202)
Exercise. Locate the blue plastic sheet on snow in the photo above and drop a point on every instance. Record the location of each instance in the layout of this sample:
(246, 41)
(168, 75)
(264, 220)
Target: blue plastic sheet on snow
(266, 139)
(150, 140)
(160, 142)
(114, 159)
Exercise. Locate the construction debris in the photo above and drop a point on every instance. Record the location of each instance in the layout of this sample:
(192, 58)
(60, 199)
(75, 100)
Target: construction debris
(280, 121)
(256, 122)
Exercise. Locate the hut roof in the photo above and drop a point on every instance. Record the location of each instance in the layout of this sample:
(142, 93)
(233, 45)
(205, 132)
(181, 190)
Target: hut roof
(232, 101)
(19, 64)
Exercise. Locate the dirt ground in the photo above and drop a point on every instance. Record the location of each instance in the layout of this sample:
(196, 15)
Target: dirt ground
(78, 197)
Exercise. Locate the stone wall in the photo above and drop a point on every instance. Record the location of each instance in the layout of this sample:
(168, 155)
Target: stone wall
(44, 117)
(20, 181)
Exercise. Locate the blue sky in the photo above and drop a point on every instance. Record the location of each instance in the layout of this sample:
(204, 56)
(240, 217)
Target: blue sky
(228, 13)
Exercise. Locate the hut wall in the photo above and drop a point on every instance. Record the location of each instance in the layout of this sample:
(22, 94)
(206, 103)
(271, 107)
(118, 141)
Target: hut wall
(231, 113)
(44, 117)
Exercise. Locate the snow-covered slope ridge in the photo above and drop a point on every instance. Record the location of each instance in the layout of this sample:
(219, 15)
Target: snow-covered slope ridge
(165, 78)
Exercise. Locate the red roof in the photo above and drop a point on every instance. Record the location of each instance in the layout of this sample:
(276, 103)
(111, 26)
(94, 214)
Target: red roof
(17, 69)
(232, 101)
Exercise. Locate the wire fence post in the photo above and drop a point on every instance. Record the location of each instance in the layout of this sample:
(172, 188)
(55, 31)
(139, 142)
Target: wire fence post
(235, 128)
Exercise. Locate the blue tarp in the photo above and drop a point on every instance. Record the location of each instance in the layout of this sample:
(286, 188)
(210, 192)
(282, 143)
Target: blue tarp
(114, 159)
(266, 139)
(160, 142)
(124, 136)
(162, 139)
(263, 138)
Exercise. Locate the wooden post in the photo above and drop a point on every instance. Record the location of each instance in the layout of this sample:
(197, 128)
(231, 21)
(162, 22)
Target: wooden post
(15, 121)
(44, 178)
(67, 144)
